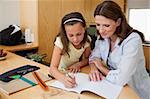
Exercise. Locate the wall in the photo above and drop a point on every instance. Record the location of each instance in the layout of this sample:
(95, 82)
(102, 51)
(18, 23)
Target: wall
(9, 13)
(29, 16)
(142, 4)
(50, 13)
(138, 3)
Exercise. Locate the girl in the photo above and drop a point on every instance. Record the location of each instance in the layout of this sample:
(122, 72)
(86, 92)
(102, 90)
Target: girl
(72, 48)
(120, 47)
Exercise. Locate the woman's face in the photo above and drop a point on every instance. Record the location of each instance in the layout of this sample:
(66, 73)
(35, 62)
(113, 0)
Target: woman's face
(75, 33)
(105, 26)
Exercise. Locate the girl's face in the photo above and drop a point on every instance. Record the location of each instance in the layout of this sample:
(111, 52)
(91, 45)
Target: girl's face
(106, 26)
(75, 33)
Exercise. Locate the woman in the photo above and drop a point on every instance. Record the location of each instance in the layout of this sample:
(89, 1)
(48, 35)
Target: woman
(120, 47)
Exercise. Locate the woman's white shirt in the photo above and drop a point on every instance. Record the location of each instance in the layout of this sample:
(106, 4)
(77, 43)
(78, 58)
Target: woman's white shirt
(128, 62)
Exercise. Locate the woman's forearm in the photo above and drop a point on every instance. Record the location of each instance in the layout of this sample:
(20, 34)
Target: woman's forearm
(101, 67)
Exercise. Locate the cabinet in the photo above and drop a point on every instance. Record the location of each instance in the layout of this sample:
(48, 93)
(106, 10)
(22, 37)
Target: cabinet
(147, 56)
(47, 16)
(29, 17)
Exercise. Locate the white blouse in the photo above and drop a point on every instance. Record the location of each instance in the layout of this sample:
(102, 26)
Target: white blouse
(127, 61)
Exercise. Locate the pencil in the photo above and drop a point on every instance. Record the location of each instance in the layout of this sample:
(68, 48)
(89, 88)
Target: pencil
(40, 82)
(70, 75)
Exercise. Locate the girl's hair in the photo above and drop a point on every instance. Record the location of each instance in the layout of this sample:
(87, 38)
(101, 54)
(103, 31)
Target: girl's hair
(112, 10)
(71, 19)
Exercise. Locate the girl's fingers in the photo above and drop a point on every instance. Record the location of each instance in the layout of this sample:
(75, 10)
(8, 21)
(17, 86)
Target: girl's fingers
(70, 83)
(73, 70)
(76, 70)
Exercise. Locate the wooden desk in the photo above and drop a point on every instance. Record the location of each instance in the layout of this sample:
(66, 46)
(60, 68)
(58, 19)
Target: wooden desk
(36, 92)
(147, 55)
(20, 47)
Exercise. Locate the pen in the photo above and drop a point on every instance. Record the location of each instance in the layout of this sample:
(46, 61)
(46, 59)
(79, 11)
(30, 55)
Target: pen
(70, 75)
(51, 76)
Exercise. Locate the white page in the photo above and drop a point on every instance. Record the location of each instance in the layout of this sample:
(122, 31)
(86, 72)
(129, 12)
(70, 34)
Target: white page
(102, 88)
(81, 78)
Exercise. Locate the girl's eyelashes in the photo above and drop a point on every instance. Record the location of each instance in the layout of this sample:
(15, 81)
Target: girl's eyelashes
(71, 35)
(78, 34)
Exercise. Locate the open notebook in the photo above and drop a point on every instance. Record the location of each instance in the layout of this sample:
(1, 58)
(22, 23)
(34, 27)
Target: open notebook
(102, 88)
(19, 84)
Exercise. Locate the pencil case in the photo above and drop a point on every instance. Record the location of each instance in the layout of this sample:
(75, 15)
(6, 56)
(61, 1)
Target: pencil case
(6, 77)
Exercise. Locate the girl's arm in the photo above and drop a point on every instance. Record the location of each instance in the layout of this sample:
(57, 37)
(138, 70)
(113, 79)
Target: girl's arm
(55, 60)
(56, 56)
(85, 59)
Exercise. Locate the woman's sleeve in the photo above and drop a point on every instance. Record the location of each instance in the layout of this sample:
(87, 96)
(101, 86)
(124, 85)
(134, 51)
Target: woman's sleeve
(131, 52)
(96, 51)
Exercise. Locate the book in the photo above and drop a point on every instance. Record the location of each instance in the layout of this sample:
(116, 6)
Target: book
(26, 81)
(102, 88)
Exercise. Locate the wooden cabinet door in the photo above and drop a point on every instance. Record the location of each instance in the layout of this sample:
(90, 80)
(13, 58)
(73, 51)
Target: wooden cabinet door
(89, 10)
(90, 6)
(50, 13)
(48, 24)
(68, 6)
(147, 56)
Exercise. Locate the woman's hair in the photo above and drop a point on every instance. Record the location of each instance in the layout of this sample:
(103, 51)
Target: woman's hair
(112, 10)
(71, 19)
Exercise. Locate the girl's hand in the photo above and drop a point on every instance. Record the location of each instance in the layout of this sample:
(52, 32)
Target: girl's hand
(74, 68)
(69, 82)
(95, 75)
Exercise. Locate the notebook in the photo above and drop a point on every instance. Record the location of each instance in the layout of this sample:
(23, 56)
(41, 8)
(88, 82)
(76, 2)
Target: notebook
(102, 88)
(20, 84)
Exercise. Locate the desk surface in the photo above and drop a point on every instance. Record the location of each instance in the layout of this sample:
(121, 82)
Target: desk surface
(20, 47)
(36, 92)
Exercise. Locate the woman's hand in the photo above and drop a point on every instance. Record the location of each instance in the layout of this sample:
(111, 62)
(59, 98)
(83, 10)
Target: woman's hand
(74, 68)
(95, 75)
(97, 63)
(69, 81)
